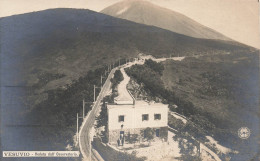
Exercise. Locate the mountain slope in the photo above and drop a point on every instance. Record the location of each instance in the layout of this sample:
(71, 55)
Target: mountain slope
(70, 42)
(144, 12)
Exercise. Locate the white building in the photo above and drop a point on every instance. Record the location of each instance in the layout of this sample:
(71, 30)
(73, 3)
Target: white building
(130, 120)
(125, 120)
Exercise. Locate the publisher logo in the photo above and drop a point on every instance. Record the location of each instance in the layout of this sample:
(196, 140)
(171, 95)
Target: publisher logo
(244, 133)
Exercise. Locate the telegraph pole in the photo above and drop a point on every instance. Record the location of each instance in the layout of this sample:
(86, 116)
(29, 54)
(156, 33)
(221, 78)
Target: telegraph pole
(84, 103)
(101, 80)
(94, 93)
(78, 128)
(83, 114)
(108, 68)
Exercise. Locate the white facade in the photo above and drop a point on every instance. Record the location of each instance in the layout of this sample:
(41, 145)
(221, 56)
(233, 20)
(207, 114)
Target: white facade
(133, 116)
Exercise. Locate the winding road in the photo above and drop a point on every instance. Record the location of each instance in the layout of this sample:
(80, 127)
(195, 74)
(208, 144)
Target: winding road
(88, 122)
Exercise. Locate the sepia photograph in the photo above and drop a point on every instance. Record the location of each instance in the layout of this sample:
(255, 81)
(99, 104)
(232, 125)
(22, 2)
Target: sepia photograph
(129, 80)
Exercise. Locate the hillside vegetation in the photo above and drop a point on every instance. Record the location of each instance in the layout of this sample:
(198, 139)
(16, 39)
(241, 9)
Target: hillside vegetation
(57, 114)
(219, 94)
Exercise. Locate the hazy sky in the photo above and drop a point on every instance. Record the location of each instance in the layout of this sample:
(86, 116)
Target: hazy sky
(237, 19)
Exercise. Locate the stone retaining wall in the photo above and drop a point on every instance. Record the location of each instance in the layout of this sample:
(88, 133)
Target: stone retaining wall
(132, 135)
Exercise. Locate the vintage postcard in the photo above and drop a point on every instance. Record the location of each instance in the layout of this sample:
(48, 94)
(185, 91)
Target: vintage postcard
(129, 80)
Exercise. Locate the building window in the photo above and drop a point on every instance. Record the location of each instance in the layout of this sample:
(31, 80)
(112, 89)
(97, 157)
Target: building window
(145, 117)
(157, 116)
(121, 118)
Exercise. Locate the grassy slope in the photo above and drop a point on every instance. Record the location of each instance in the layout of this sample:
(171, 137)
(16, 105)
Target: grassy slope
(225, 87)
(223, 84)
(219, 94)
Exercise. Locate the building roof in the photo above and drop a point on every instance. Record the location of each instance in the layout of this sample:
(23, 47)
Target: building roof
(138, 104)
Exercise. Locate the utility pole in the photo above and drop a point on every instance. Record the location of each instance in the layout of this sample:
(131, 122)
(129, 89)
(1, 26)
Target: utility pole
(78, 128)
(83, 114)
(101, 80)
(94, 93)
(78, 121)
(84, 103)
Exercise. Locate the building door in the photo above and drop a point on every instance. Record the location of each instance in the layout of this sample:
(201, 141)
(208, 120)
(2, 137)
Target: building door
(157, 132)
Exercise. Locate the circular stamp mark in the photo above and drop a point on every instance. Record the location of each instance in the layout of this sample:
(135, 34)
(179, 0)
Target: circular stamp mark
(244, 133)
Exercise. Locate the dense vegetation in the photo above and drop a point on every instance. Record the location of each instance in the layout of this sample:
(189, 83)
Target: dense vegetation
(118, 77)
(150, 75)
(157, 67)
(217, 93)
(57, 114)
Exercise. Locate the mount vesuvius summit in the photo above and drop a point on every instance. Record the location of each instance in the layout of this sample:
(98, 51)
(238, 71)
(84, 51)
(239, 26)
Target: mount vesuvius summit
(144, 12)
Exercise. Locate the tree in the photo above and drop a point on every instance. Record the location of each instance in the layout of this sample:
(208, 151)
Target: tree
(148, 133)
(118, 77)
(157, 67)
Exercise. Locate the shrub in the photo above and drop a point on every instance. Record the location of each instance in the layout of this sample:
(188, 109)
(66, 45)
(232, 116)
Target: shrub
(157, 67)
(148, 133)
(118, 77)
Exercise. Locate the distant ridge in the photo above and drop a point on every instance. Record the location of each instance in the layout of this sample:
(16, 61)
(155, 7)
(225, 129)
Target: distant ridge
(144, 12)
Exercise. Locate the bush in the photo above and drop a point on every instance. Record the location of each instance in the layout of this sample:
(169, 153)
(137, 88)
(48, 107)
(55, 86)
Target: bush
(118, 77)
(153, 84)
(148, 133)
(157, 67)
